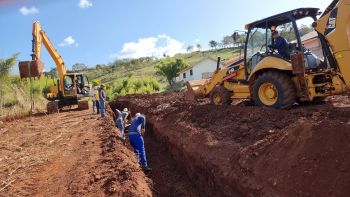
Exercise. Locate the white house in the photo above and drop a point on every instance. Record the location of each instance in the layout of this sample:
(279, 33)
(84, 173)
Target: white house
(201, 70)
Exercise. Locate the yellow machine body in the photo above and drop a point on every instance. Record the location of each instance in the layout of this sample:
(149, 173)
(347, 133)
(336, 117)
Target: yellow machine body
(239, 80)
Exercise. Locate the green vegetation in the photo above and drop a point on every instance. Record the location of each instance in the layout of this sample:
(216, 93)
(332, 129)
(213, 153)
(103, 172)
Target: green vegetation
(15, 94)
(171, 68)
(125, 76)
(146, 67)
(131, 85)
(136, 76)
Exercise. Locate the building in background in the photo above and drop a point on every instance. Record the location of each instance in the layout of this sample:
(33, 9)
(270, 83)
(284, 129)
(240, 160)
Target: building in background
(201, 70)
(312, 43)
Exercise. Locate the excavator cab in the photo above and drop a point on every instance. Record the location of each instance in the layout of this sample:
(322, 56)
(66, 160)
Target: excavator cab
(76, 85)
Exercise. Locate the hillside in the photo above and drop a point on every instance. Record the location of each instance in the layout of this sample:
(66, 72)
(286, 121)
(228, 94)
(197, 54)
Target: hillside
(109, 73)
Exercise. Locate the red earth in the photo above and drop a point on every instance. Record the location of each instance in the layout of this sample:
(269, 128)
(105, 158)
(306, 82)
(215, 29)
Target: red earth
(245, 150)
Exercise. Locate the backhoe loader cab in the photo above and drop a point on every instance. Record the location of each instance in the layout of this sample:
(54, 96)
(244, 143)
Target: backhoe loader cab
(259, 37)
(277, 80)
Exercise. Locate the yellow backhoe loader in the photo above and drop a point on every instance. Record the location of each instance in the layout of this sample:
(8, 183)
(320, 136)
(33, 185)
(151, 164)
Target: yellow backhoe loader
(70, 89)
(273, 81)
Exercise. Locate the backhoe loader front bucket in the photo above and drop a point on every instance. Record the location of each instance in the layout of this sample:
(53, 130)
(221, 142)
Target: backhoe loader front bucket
(195, 90)
(28, 69)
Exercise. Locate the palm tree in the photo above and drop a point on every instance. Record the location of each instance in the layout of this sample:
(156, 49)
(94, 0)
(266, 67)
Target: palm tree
(6, 66)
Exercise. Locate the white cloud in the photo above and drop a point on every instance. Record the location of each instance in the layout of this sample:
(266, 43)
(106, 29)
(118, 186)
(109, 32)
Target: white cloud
(26, 11)
(85, 3)
(150, 47)
(68, 41)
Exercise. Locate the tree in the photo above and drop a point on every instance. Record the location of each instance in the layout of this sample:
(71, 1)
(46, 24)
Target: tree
(199, 47)
(189, 49)
(98, 66)
(213, 44)
(304, 29)
(5, 67)
(227, 41)
(52, 73)
(171, 69)
(79, 67)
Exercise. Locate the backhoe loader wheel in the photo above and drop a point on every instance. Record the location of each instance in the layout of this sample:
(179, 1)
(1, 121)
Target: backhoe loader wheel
(274, 90)
(83, 105)
(52, 107)
(220, 96)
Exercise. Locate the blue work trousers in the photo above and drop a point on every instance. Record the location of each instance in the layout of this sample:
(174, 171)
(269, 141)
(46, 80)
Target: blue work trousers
(121, 127)
(102, 108)
(136, 141)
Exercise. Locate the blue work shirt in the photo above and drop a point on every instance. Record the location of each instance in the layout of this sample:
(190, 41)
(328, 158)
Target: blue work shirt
(137, 124)
(102, 94)
(281, 45)
(122, 116)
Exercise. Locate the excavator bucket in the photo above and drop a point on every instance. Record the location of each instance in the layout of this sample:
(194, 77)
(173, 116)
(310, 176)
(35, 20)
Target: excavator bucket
(28, 69)
(194, 90)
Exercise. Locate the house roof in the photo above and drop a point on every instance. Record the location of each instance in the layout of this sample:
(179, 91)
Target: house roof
(309, 36)
(198, 62)
(234, 60)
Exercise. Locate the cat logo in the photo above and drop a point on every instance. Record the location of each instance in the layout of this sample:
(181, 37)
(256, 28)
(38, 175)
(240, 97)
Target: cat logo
(332, 22)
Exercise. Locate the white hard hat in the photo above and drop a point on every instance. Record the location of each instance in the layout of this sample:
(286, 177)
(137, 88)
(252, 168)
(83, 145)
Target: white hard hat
(138, 114)
(125, 110)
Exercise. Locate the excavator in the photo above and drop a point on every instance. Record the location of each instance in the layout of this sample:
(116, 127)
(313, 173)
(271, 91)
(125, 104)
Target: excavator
(70, 88)
(272, 81)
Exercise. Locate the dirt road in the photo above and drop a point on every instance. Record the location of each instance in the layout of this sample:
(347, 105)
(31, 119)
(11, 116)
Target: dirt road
(67, 154)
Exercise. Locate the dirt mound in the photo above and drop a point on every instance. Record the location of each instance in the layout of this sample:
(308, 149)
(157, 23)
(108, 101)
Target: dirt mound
(251, 151)
(305, 160)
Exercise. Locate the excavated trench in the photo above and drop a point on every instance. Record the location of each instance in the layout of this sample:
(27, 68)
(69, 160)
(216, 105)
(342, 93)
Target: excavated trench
(175, 172)
(204, 150)
(168, 177)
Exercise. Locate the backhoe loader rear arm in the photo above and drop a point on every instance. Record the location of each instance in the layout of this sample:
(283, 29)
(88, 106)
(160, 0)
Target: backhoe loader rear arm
(334, 25)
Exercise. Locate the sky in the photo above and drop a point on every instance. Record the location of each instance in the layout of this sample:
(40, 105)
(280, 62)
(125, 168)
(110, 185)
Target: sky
(102, 31)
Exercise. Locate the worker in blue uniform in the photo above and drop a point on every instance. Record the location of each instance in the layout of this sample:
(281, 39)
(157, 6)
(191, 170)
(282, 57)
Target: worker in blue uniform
(121, 121)
(281, 45)
(136, 129)
(102, 101)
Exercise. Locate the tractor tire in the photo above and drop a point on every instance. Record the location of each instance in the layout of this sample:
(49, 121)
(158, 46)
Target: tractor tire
(274, 90)
(220, 96)
(52, 107)
(83, 105)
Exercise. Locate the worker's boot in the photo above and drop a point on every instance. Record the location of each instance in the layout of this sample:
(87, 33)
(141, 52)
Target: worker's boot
(146, 169)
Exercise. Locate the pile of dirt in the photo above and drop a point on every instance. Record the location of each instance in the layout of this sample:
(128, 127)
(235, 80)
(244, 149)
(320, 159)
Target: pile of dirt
(251, 151)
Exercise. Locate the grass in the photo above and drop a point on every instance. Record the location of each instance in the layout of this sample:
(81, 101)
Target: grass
(108, 75)
(15, 96)
(138, 76)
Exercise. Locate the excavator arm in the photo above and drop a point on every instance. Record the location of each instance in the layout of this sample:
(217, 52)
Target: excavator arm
(40, 37)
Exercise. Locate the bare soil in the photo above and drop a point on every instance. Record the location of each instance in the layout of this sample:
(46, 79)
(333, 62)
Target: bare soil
(244, 150)
(72, 153)
(195, 149)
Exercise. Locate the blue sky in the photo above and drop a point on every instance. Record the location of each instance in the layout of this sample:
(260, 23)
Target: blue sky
(100, 31)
